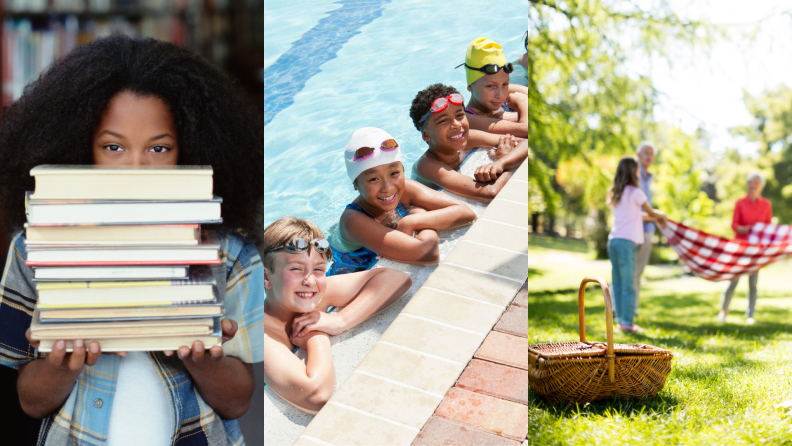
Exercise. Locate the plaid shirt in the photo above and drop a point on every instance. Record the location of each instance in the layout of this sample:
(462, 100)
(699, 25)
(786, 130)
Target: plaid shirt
(85, 416)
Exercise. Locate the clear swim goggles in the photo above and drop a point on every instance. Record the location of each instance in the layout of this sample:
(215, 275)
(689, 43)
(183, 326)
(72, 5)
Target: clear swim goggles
(490, 68)
(439, 105)
(365, 152)
(300, 245)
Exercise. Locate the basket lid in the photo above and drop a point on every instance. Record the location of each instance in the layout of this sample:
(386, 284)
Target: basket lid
(557, 350)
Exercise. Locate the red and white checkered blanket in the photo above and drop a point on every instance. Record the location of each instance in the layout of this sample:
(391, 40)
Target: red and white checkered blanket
(714, 258)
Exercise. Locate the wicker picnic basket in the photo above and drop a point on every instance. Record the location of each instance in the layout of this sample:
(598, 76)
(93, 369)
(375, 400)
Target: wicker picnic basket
(583, 371)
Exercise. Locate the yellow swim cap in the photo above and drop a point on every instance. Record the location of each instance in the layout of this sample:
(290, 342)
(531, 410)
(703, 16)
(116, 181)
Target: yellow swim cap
(480, 52)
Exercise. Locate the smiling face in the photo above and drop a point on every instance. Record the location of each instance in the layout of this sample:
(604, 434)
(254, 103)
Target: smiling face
(381, 187)
(448, 130)
(136, 131)
(296, 282)
(490, 91)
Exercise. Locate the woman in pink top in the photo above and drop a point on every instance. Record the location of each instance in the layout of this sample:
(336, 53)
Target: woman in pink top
(627, 200)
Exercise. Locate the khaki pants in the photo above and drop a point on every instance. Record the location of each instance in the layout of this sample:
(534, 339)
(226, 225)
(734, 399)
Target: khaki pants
(641, 260)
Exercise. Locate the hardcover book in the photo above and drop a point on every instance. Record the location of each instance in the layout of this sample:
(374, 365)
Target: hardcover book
(95, 182)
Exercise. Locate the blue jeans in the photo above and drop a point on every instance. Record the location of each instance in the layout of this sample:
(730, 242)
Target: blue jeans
(622, 255)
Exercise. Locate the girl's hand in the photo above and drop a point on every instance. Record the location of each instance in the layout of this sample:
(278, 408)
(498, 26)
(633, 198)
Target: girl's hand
(505, 144)
(198, 351)
(391, 219)
(74, 361)
(661, 219)
(489, 172)
(316, 321)
(302, 341)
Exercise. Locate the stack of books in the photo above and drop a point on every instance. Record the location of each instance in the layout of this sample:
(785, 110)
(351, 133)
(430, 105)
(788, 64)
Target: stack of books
(119, 258)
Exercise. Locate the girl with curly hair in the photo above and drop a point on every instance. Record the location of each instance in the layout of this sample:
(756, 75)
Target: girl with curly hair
(128, 101)
(437, 112)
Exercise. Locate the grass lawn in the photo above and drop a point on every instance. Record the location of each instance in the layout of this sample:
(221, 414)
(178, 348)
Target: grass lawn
(725, 378)
(559, 264)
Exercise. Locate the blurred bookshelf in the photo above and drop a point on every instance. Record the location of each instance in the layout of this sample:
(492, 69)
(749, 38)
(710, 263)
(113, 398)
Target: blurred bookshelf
(37, 32)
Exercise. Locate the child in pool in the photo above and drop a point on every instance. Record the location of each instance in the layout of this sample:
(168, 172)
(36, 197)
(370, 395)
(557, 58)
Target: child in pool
(295, 309)
(627, 200)
(438, 114)
(389, 209)
(487, 72)
(138, 102)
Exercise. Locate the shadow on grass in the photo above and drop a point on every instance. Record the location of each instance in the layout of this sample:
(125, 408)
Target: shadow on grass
(532, 272)
(664, 402)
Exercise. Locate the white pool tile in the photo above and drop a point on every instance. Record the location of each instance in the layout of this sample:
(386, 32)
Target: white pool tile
(412, 368)
(458, 311)
(439, 340)
(507, 212)
(384, 398)
(473, 284)
(499, 235)
(490, 259)
(342, 426)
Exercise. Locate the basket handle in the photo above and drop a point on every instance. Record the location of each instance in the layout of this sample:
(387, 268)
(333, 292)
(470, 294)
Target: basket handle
(608, 320)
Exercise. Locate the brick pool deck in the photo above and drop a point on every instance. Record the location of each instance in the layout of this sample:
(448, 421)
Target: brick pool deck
(488, 405)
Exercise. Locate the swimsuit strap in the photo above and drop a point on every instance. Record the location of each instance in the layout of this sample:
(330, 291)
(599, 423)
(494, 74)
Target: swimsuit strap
(355, 207)
(467, 110)
(401, 210)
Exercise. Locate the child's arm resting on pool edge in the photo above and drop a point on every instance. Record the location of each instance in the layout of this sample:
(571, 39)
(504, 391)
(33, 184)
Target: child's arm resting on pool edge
(443, 212)
(362, 295)
(449, 179)
(387, 242)
(309, 385)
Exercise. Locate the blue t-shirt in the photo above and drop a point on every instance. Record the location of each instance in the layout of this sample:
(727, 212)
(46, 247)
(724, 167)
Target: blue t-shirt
(646, 186)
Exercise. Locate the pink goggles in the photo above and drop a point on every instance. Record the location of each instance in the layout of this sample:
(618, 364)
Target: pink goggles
(439, 105)
(365, 152)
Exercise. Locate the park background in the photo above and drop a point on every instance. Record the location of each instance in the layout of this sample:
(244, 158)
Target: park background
(708, 82)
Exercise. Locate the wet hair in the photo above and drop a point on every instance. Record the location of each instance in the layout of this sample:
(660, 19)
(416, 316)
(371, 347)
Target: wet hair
(55, 119)
(625, 175)
(283, 231)
(424, 99)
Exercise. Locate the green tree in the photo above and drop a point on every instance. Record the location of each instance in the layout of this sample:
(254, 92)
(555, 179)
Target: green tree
(583, 101)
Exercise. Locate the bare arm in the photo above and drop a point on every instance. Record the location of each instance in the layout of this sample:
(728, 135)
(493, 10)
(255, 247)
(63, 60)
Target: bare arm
(388, 242)
(500, 126)
(44, 384)
(657, 216)
(224, 382)
(308, 386)
(451, 180)
(443, 212)
(514, 88)
(362, 295)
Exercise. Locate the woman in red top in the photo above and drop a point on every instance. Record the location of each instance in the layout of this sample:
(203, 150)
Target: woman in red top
(747, 211)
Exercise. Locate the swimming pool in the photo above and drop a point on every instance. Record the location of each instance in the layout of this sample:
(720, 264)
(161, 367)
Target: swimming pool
(332, 67)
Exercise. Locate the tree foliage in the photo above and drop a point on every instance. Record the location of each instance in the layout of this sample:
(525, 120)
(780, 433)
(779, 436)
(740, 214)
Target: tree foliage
(587, 108)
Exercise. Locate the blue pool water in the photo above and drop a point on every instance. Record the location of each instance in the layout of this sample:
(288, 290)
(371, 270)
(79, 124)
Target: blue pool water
(332, 67)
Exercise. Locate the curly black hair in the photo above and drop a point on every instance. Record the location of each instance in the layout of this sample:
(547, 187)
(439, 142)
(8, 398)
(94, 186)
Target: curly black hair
(54, 121)
(423, 100)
